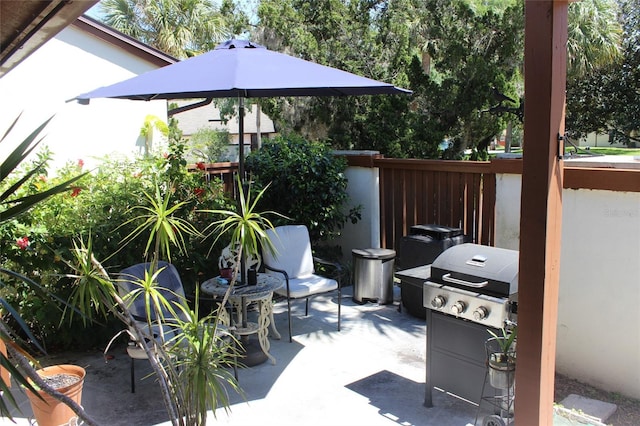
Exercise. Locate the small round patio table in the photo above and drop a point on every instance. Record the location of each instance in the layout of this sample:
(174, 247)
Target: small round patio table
(240, 296)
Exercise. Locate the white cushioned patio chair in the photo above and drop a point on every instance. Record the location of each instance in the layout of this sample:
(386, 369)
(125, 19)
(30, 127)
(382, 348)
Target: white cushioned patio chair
(294, 261)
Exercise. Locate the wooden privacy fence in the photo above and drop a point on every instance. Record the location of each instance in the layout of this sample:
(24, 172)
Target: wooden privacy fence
(459, 194)
(226, 172)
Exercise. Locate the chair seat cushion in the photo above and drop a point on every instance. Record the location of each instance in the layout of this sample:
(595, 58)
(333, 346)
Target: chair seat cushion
(136, 351)
(304, 287)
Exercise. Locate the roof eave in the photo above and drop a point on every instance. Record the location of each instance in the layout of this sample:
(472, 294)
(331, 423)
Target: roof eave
(123, 41)
(32, 24)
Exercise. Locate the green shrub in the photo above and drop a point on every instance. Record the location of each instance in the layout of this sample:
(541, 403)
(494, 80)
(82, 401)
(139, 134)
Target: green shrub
(210, 145)
(307, 184)
(38, 243)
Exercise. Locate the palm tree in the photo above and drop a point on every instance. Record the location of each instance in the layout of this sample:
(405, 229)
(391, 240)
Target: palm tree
(181, 28)
(595, 36)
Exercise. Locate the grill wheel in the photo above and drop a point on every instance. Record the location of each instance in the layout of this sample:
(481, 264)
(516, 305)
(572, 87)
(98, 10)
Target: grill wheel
(494, 420)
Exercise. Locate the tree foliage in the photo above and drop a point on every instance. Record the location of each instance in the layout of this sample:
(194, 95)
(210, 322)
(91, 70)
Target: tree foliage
(181, 28)
(462, 58)
(362, 37)
(306, 184)
(606, 99)
(475, 66)
(471, 55)
(209, 145)
(594, 36)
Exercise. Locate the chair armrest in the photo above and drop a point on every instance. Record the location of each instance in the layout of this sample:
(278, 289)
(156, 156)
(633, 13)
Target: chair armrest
(337, 272)
(328, 263)
(280, 271)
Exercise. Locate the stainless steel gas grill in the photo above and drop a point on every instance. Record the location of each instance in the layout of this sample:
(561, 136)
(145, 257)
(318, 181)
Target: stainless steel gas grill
(472, 288)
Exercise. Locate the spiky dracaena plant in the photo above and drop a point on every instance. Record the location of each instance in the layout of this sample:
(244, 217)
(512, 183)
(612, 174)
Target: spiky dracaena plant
(13, 204)
(245, 228)
(192, 366)
(505, 343)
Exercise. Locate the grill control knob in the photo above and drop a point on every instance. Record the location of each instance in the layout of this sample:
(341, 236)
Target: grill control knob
(480, 313)
(438, 302)
(458, 307)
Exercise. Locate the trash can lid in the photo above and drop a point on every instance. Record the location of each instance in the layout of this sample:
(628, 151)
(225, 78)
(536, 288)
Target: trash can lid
(374, 253)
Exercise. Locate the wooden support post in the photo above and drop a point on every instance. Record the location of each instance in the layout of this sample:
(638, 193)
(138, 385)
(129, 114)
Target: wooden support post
(541, 207)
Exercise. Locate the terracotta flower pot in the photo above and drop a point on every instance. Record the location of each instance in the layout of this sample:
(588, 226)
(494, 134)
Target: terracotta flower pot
(4, 373)
(226, 273)
(52, 412)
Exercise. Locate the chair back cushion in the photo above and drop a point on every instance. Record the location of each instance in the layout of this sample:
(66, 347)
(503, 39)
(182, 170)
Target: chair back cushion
(168, 281)
(293, 250)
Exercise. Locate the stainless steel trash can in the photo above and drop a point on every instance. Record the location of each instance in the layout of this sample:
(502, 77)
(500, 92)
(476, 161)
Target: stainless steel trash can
(373, 275)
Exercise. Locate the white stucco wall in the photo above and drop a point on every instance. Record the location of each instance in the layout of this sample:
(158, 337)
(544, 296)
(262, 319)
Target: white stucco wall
(598, 338)
(597, 139)
(72, 63)
(363, 189)
(508, 190)
(598, 318)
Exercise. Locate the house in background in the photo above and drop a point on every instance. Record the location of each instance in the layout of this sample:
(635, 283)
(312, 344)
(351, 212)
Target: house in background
(83, 56)
(208, 117)
(599, 140)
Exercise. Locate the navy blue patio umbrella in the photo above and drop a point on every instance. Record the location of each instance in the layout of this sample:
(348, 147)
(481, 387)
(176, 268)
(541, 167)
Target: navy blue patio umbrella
(241, 69)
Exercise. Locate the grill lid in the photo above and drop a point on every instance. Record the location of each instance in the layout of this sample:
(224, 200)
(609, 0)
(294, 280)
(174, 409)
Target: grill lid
(437, 232)
(484, 269)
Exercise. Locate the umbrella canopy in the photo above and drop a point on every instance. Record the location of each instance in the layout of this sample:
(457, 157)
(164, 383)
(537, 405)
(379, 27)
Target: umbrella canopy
(239, 68)
(242, 69)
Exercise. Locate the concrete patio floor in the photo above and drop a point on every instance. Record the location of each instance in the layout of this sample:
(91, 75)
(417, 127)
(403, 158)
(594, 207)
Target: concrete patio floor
(371, 373)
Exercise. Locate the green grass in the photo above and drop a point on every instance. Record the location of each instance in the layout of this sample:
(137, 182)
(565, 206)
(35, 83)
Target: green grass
(598, 150)
(615, 151)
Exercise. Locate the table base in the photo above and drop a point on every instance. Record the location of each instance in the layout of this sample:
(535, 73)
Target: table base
(251, 353)
(261, 293)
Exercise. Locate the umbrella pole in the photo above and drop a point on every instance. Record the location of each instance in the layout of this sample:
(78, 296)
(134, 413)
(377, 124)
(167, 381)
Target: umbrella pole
(243, 185)
(241, 139)
(253, 354)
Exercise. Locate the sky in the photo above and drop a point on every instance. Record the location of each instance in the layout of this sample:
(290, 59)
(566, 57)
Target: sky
(94, 12)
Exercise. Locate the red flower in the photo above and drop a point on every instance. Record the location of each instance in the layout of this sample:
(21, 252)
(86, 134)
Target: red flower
(200, 165)
(75, 191)
(199, 192)
(23, 243)
(42, 178)
(80, 163)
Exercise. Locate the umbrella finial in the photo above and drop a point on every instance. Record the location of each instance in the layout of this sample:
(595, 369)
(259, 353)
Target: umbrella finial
(236, 43)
